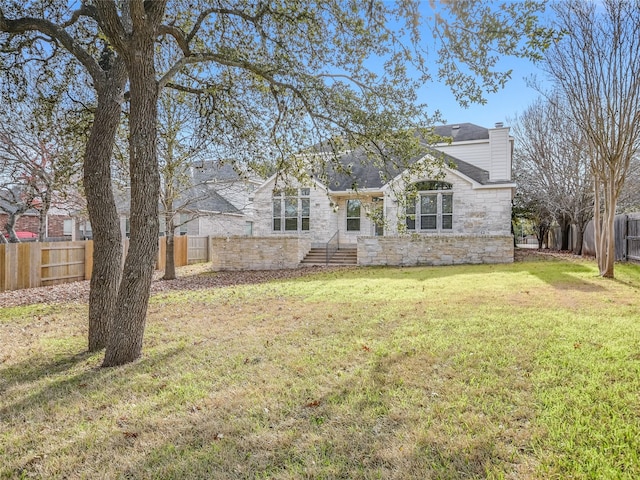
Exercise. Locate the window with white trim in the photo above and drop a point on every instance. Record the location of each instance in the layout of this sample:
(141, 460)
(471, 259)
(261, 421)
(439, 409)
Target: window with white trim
(67, 227)
(291, 210)
(430, 208)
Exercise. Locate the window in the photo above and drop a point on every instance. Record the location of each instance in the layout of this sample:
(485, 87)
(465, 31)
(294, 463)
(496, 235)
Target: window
(67, 227)
(291, 214)
(183, 229)
(431, 210)
(377, 215)
(353, 215)
(291, 210)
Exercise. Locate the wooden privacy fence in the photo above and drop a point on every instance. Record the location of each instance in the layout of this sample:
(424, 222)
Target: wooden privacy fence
(632, 246)
(38, 264)
(627, 242)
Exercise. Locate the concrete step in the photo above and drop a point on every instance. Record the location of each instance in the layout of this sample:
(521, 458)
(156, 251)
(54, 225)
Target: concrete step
(343, 256)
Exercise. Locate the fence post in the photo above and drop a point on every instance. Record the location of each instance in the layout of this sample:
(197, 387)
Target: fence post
(625, 240)
(162, 248)
(4, 258)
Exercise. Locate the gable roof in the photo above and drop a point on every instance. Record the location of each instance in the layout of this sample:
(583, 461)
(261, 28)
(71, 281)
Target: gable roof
(365, 175)
(205, 198)
(357, 170)
(208, 177)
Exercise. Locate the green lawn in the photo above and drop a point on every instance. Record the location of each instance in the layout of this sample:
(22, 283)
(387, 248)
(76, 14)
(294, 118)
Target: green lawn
(521, 371)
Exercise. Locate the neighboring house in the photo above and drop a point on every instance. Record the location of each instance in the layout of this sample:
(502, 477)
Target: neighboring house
(57, 223)
(462, 215)
(217, 203)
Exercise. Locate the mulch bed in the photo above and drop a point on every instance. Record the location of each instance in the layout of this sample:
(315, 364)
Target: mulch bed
(194, 277)
(197, 277)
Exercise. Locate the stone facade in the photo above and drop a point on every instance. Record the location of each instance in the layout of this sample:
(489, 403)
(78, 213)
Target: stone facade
(477, 169)
(219, 225)
(323, 217)
(434, 250)
(477, 210)
(258, 253)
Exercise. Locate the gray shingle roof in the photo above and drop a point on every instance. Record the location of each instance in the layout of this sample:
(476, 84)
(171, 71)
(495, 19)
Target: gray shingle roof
(220, 171)
(205, 198)
(366, 175)
(210, 179)
(462, 132)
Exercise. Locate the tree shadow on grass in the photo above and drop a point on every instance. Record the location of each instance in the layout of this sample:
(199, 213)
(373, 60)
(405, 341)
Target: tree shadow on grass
(69, 391)
(344, 433)
(565, 275)
(90, 378)
(33, 369)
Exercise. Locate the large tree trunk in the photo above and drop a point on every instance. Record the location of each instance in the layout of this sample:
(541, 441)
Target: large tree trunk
(607, 267)
(42, 216)
(169, 215)
(170, 258)
(577, 247)
(10, 226)
(107, 239)
(604, 223)
(565, 229)
(125, 338)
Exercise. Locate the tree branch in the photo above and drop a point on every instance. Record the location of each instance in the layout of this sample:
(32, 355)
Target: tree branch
(60, 35)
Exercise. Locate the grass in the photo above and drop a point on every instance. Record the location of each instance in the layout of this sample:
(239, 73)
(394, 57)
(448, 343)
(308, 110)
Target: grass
(522, 371)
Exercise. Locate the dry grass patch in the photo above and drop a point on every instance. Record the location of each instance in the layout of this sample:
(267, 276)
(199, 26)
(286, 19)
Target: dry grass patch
(519, 371)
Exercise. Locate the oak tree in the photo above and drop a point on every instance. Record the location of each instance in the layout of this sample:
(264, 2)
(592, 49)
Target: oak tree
(272, 78)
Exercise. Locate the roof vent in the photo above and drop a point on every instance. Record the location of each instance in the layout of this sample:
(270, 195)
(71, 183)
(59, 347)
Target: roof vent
(499, 124)
(455, 127)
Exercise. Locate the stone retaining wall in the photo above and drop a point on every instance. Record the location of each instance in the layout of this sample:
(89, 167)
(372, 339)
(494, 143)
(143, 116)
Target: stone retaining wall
(434, 250)
(258, 253)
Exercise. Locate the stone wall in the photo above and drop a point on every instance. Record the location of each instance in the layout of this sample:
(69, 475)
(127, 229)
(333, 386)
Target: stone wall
(258, 253)
(435, 250)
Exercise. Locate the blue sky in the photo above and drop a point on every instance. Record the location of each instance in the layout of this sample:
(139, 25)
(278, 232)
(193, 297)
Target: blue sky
(500, 106)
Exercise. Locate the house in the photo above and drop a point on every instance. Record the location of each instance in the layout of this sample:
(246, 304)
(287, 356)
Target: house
(461, 214)
(57, 223)
(215, 201)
